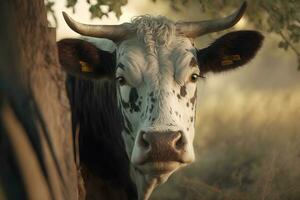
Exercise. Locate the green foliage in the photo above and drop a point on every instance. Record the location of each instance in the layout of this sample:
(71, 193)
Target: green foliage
(100, 8)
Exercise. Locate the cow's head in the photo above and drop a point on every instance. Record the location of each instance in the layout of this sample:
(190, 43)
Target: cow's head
(156, 67)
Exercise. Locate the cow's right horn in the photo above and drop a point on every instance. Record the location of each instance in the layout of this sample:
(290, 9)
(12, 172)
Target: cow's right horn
(198, 28)
(113, 32)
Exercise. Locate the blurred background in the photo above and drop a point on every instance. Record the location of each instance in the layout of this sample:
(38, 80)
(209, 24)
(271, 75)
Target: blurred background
(248, 131)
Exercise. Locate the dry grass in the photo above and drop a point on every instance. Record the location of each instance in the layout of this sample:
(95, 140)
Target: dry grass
(248, 148)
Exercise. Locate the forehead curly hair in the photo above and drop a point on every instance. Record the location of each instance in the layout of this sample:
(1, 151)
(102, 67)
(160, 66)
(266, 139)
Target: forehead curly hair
(153, 31)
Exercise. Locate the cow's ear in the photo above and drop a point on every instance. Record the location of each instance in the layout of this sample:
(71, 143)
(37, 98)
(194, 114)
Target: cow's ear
(83, 59)
(230, 51)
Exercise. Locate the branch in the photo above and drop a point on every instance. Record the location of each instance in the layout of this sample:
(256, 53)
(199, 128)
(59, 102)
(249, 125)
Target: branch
(285, 39)
(292, 47)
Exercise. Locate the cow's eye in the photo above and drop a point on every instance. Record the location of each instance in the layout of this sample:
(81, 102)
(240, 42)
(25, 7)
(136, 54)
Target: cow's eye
(121, 80)
(194, 77)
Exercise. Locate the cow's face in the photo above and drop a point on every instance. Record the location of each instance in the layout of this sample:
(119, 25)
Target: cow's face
(156, 68)
(157, 97)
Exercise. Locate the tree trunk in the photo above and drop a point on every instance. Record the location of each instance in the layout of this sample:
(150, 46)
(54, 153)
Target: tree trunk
(36, 147)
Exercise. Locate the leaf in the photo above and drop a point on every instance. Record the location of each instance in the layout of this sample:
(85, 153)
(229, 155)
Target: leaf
(284, 45)
(71, 3)
(49, 8)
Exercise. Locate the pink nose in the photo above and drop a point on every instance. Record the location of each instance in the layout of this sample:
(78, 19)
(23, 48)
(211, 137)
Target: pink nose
(160, 146)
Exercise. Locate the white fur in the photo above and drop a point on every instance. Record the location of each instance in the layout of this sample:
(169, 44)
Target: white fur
(157, 61)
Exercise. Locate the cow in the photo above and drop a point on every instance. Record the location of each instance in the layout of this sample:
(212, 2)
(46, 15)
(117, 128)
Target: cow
(134, 108)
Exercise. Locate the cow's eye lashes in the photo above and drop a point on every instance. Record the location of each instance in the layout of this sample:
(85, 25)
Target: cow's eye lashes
(121, 80)
(201, 76)
(195, 77)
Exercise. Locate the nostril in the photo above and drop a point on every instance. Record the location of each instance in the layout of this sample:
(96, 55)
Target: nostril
(143, 140)
(179, 142)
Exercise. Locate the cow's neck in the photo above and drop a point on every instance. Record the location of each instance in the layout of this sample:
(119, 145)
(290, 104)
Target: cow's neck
(102, 152)
(144, 184)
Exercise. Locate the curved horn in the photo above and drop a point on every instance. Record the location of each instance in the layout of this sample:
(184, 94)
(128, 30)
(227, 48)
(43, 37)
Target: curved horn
(196, 29)
(113, 32)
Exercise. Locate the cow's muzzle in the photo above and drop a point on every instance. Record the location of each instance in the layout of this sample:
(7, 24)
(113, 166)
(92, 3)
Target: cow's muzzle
(160, 151)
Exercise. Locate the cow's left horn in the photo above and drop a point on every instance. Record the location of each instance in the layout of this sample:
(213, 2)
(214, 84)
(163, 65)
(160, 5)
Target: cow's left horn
(196, 29)
(113, 32)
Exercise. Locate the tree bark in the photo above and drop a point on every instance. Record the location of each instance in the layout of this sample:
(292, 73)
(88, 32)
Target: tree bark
(36, 147)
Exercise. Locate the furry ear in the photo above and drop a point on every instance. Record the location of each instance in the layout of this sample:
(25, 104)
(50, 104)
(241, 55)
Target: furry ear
(83, 59)
(230, 51)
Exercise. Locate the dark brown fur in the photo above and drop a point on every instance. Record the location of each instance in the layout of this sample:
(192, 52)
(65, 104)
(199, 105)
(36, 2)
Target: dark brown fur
(94, 109)
(71, 51)
(242, 43)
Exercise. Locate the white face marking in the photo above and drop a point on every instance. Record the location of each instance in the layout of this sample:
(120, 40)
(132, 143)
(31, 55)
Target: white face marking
(157, 72)
(158, 94)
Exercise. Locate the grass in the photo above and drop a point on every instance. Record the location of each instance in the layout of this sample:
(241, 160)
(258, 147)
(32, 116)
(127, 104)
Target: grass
(247, 149)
